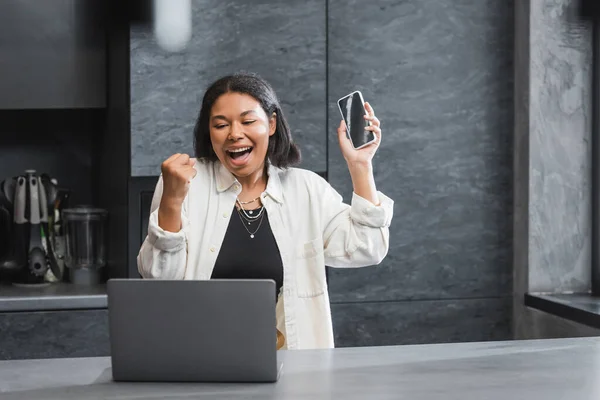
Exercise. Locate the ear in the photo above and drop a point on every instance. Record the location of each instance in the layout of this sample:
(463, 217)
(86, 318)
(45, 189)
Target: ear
(272, 124)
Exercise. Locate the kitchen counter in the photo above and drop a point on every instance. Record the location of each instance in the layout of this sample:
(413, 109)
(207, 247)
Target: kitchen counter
(543, 369)
(55, 296)
(582, 308)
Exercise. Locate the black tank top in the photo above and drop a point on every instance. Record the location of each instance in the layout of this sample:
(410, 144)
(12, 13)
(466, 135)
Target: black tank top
(249, 251)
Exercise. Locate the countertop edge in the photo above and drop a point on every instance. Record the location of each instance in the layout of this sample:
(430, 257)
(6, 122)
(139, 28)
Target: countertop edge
(55, 303)
(564, 309)
(57, 297)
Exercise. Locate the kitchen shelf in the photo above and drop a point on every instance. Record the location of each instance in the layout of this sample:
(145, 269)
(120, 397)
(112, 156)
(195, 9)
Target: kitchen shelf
(56, 296)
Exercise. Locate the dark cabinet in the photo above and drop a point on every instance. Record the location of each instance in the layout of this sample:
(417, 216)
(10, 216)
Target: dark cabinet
(53, 54)
(54, 334)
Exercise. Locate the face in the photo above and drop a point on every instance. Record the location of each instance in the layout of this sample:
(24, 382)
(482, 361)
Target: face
(239, 132)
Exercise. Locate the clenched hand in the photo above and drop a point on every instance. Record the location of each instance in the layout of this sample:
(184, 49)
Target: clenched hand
(177, 173)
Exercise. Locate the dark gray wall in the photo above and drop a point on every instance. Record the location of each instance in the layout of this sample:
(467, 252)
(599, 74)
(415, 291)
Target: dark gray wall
(282, 41)
(552, 180)
(439, 75)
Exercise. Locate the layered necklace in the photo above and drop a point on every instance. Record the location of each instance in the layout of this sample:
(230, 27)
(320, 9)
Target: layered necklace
(250, 217)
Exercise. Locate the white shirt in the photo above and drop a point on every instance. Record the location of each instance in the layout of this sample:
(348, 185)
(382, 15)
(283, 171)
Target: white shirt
(311, 225)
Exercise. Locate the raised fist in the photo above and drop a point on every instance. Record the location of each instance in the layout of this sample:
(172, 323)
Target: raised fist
(177, 171)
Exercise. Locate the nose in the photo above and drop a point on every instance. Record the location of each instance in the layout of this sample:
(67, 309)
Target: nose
(235, 132)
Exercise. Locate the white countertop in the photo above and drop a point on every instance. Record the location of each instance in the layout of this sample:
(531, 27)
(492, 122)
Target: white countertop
(565, 369)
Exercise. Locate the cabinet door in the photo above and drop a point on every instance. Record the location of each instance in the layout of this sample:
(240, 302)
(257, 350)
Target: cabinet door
(53, 54)
(54, 334)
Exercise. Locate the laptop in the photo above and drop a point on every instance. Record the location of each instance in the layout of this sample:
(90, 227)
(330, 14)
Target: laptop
(193, 331)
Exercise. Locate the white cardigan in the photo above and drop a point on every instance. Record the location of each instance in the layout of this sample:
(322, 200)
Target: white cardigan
(312, 228)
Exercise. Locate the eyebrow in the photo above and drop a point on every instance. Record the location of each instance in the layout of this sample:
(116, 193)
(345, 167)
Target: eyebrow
(241, 115)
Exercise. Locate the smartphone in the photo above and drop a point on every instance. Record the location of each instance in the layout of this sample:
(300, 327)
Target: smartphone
(353, 110)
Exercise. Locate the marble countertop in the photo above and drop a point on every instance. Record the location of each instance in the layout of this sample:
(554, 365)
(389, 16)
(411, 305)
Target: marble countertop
(542, 369)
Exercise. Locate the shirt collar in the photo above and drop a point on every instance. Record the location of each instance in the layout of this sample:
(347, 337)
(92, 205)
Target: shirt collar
(225, 180)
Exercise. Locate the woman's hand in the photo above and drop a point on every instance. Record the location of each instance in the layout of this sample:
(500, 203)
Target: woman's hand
(177, 172)
(359, 160)
(363, 156)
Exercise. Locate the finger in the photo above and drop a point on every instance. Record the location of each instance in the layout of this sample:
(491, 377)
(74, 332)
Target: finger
(191, 174)
(342, 128)
(183, 159)
(173, 157)
(343, 137)
(377, 131)
(374, 120)
(181, 162)
(192, 162)
(369, 109)
(373, 128)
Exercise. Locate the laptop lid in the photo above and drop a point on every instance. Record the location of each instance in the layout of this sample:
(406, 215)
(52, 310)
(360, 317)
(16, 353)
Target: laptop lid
(203, 331)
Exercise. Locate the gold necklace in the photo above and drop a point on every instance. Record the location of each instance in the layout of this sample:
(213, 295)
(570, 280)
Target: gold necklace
(249, 213)
(247, 202)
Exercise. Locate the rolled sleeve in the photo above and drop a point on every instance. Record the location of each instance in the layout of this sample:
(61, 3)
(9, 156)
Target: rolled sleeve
(366, 213)
(165, 240)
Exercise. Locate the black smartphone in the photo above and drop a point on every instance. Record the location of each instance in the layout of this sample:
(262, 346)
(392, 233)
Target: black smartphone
(352, 107)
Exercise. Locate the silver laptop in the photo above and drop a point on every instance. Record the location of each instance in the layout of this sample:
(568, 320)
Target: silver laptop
(193, 331)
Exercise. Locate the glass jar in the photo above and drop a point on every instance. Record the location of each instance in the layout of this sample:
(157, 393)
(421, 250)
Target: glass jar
(85, 239)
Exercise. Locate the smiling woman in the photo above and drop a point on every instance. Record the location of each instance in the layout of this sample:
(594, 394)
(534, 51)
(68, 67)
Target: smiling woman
(242, 211)
(241, 140)
(244, 105)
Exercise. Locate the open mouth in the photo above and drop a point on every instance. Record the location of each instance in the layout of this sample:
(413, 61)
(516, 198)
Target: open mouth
(239, 153)
(239, 156)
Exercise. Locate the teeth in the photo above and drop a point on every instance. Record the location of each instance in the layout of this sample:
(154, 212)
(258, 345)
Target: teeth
(240, 150)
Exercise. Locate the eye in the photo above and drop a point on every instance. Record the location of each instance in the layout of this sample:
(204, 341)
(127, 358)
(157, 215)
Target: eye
(249, 122)
(220, 126)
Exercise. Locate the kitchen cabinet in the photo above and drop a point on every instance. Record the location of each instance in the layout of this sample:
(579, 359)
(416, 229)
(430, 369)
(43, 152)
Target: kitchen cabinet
(54, 334)
(53, 54)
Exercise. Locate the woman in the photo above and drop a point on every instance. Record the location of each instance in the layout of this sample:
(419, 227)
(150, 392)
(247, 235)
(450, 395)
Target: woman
(242, 211)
